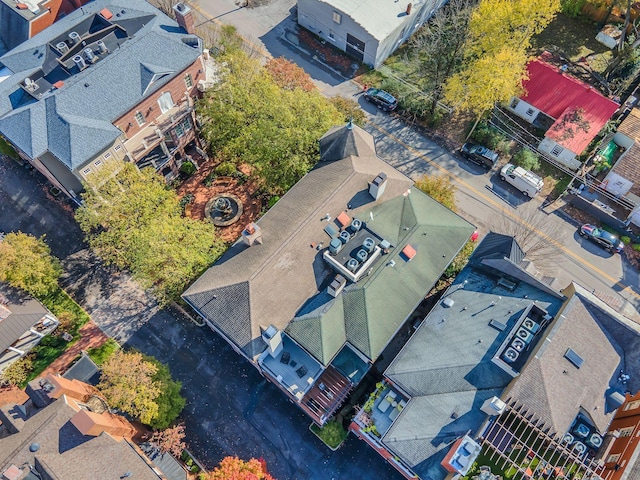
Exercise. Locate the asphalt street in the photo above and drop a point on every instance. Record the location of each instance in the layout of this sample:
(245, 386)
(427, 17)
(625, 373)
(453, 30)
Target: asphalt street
(231, 409)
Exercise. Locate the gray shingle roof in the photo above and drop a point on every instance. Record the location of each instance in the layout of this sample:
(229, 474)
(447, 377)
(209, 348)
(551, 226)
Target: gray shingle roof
(68, 454)
(74, 122)
(340, 142)
(284, 272)
(25, 313)
(446, 365)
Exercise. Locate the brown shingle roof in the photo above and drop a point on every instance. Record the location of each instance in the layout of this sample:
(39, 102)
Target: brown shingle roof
(556, 390)
(67, 454)
(628, 166)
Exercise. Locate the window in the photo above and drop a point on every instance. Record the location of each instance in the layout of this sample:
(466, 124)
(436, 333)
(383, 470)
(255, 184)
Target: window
(165, 101)
(117, 148)
(613, 458)
(332, 35)
(188, 81)
(86, 171)
(337, 18)
(514, 103)
(530, 112)
(557, 150)
(140, 118)
(632, 405)
(107, 156)
(97, 163)
(626, 432)
(183, 127)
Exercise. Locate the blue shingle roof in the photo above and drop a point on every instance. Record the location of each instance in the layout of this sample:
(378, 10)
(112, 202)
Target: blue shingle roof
(75, 122)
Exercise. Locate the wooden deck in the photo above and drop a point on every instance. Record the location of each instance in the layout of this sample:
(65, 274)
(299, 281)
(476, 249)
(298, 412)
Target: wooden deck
(326, 396)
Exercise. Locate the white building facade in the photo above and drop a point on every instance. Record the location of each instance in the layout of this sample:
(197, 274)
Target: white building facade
(368, 30)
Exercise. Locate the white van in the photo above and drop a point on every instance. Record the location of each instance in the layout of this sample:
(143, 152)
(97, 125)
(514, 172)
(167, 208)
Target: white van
(527, 182)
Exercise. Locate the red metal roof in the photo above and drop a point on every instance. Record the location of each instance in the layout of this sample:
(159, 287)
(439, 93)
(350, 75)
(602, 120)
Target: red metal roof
(580, 111)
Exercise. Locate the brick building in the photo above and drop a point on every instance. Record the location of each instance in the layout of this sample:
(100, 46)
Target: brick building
(94, 87)
(621, 457)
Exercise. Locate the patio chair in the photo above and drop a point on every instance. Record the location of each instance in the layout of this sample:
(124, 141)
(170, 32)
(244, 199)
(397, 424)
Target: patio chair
(286, 356)
(302, 371)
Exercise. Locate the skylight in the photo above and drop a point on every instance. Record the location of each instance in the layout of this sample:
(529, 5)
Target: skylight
(574, 358)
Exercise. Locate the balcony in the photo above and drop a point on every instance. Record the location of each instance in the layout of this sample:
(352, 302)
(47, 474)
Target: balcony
(153, 133)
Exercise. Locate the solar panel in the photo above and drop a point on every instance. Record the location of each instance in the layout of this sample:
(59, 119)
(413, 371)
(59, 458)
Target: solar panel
(574, 358)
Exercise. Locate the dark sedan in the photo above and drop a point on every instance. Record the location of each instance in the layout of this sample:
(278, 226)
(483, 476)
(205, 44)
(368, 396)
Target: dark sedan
(600, 237)
(479, 155)
(383, 100)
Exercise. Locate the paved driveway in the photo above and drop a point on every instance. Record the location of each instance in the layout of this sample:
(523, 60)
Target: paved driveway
(231, 409)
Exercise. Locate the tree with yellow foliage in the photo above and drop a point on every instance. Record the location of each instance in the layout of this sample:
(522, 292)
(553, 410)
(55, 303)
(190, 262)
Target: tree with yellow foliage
(499, 37)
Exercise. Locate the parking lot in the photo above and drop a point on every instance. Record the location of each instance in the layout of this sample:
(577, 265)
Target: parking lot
(231, 409)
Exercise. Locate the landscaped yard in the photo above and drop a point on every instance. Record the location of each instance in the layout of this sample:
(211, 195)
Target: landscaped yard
(575, 39)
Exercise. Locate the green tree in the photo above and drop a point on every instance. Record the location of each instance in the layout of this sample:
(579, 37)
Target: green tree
(250, 119)
(127, 382)
(439, 46)
(170, 402)
(132, 220)
(26, 262)
(441, 189)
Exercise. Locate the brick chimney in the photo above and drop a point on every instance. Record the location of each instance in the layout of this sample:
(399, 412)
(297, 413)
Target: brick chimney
(72, 388)
(184, 17)
(93, 424)
(408, 12)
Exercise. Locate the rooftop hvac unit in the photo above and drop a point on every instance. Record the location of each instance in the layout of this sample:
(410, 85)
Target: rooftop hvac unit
(510, 355)
(335, 246)
(368, 244)
(362, 255)
(524, 334)
(356, 225)
(102, 48)
(493, 406)
(568, 439)
(518, 344)
(595, 440)
(79, 61)
(74, 37)
(579, 448)
(530, 325)
(62, 47)
(89, 55)
(345, 237)
(352, 265)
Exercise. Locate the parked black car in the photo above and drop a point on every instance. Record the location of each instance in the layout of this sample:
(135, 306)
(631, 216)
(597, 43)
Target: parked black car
(383, 100)
(479, 155)
(600, 237)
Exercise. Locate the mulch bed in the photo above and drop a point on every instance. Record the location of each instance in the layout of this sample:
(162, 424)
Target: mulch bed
(194, 185)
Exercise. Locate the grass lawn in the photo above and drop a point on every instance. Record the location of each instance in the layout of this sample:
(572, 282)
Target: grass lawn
(52, 346)
(332, 433)
(104, 351)
(574, 38)
(7, 149)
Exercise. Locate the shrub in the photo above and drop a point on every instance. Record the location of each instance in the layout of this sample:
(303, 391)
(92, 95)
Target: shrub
(225, 169)
(489, 136)
(272, 201)
(332, 433)
(209, 179)
(525, 158)
(573, 8)
(18, 372)
(188, 168)
(626, 240)
(636, 247)
(240, 177)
